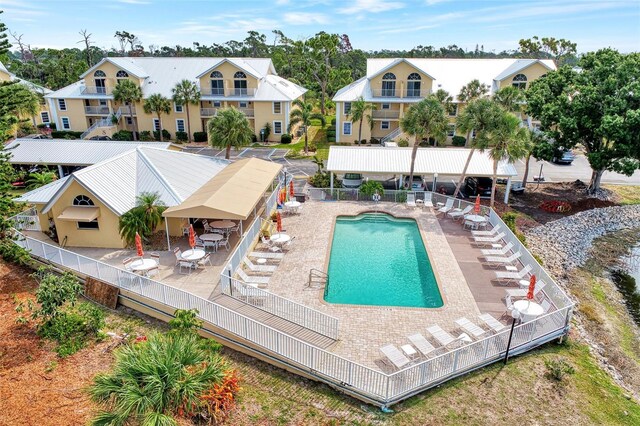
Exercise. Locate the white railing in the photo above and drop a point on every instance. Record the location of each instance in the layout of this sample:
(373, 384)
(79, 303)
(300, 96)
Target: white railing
(95, 90)
(103, 122)
(385, 93)
(228, 92)
(389, 114)
(208, 112)
(249, 112)
(391, 136)
(27, 220)
(124, 110)
(97, 110)
(346, 194)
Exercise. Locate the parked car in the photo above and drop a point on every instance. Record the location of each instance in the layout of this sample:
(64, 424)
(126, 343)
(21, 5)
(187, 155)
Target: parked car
(563, 157)
(477, 186)
(37, 136)
(416, 185)
(100, 138)
(352, 180)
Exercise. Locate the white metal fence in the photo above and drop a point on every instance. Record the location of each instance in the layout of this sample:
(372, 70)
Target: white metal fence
(27, 220)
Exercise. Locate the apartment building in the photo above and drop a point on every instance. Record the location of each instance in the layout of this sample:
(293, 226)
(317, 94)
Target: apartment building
(43, 116)
(393, 85)
(249, 84)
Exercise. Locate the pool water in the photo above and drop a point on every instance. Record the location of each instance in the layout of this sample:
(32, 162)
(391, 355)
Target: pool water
(377, 259)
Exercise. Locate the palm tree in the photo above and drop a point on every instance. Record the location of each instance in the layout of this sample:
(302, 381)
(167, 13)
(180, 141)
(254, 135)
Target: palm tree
(154, 381)
(229, 128)
(358, 112)
(127, 92)
(424, 120)
(36, 180)
(303, 115)
(469, 92)
(479, 115)
(158, 105)
(186, 93)
(152, 206)
(133, 222)
(318, 162)
(510, 98)
(508, 142)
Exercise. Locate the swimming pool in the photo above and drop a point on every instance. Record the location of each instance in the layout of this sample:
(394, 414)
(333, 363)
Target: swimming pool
(377, 259)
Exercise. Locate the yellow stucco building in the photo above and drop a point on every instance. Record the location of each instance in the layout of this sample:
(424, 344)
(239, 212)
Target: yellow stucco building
(249, 84)
(44, 115)
(393, 85)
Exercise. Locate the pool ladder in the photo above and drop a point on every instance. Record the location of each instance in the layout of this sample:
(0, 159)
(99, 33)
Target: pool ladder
(317, 279)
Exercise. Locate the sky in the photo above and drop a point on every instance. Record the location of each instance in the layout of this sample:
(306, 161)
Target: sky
(371, 24)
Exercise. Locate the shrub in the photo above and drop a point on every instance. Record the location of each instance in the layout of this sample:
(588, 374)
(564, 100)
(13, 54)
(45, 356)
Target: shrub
(458, 140)
(66, 134)
(285, 138)
(370, 187)
(122, 135)
(333, 121)
(312, 147)
(200, 136)
(374, 141)
(25, 128)
(331, 133)
(182, 136)
(221, 399)
(323, 180)
(401, 197)
(185, 320)
(254, 138)
(267, 131)
(165, 135)
(403, 143)
(555, 206)
(54, 292)
(73, 328)
(145, 136)
(363, 142)
(558, 368)
(331, 139)
(52, 126)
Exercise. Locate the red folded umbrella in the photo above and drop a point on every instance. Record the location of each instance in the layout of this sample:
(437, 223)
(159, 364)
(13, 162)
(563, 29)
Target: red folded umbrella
(291, 188)
(192, 237)
(476, 207)
(139, 245)
(532, 287)
(278, 222)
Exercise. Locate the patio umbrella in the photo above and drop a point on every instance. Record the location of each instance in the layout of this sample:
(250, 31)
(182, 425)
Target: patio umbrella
(291, 188)
(476, 207)
(532, 287)
(139, 245)
(192, 237)
(278, 222)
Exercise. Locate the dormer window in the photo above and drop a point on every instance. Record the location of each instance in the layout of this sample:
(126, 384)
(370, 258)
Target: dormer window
(217, 85)
(389, 84)
(519, 81)
(82, 200)
(99, 78)
(122, 74)
(240, 84)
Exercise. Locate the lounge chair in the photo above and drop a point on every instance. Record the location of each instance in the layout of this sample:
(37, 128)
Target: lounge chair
(489, 240)
(266, 255)
(456, 214)
(497, 252)
(441, 336)
(411, 200)
(489, 233)
(508, 276)
(546, 306)
(274, 248)
(393, 354)
(245, 292)
(422, 344)
(493, 323)
(258, 268)
(447, 207)
(500, 260)
(470, 327)
(253, 279)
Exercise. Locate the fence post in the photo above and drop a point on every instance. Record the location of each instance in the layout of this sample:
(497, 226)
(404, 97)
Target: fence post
(456, 354)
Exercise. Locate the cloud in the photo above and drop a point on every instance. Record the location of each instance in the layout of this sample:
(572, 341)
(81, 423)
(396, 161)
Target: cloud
(371, 6)
(303, 18)
(282, 2)
(141, 2)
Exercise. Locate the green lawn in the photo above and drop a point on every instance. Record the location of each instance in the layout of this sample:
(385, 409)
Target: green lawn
(629, 194)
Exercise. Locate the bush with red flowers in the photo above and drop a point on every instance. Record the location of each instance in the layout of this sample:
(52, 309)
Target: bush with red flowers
(555, 206)
(221, 399)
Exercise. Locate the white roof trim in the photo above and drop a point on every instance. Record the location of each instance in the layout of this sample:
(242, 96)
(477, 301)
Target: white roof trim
(231, 61)
(87, 72)
(396, 62)
(499, 77)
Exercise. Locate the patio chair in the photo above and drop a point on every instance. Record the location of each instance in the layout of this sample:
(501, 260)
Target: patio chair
(127, 263)
(224, 243)
(447, 207)
(253, 279)
(266, 255)
(235, 229)
(207, 227)
(274, 248)
(287, 245)
(156, 269)
(213, 245)
(508, 277)
(470, 327)
(495, 261)
(393, 354)
(206, 259)
(411, 200)
(440, 335)
(489, 233)
(493, 323)
(422, 344)
(178, 253)
(186, 264)
(258, 268)
(539, 289)
(489, 240)
(459, 214)
(497, 252)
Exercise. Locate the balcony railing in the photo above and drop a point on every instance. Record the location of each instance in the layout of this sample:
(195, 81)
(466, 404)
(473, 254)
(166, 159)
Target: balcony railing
(97, 110)
(228, 92)
(124, 110)
(95, 90)
(385, 93)
(247, 111)
(208, 112)
(388, 114)
(413, 93)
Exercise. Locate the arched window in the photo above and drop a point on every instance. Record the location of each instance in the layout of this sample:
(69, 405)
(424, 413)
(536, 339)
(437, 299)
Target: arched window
(217, 85)
(99, 74)
(240, 84)
(519, 81)
(99, 80)
(122, 74)
(389, 85)
(82, 200)
(413, 85)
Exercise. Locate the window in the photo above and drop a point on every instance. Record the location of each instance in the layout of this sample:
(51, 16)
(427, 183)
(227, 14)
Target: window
(346, 128)
(243, 104)
(180, 125)
(66, 124)
(156, 125)
(99, 80)
(177, 108)
(384, 125)
(62, 104)
(453, 110)
(240, 83)
(347, 108)
(386, 106)
(129, 121)
(413, 85)
(473, 134)
(102, 102)
(389, 84)
(277, 107)
(277, 127)
(99, 74)
(217, 104)
(519, 81)
(217, 86)
(44, 115)
(122, 74)
(89, 225)
(451, 130)
(83, 200)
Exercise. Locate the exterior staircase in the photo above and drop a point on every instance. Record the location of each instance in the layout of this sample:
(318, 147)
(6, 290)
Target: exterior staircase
(102, 127)
(391, 136)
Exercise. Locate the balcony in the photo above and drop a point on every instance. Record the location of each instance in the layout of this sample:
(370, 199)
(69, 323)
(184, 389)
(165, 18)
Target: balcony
(97, 110)
(386, 114)
(228, 92)
(208, 112)
(247, 111)
(413, 93)
(385, 93)
(124, 110)
(95, 90)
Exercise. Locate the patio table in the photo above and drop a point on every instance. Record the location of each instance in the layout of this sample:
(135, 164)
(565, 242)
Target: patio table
(528, 310)
(280, 238)
(292, 205)
(222, 224)
(193, 255)
(211, 237)
(143, 265)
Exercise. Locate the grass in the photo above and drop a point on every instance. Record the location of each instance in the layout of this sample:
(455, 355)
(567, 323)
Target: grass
(628, 194)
